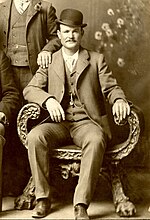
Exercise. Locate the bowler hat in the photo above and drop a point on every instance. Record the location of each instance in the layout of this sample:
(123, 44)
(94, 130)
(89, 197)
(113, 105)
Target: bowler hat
(71, 17)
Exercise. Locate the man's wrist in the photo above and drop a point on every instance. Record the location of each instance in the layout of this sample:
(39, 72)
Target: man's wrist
(120, 99)
(44, 103)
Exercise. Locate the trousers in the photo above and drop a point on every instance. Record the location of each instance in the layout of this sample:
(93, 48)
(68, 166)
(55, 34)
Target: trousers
(85, 134)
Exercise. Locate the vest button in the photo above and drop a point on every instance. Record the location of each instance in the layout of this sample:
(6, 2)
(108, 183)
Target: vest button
(4, 32)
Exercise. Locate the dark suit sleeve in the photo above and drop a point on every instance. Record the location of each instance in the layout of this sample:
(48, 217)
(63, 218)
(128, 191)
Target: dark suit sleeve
(9, 103)
(51, 34)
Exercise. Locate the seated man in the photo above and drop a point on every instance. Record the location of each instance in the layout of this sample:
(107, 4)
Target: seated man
(77, 81)
(9, 98)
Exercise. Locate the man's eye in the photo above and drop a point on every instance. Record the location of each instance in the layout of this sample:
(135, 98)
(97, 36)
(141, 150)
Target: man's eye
(76, 30)
(66, 32)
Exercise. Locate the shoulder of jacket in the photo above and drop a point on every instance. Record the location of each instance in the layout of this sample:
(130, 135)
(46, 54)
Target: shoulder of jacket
(46, 4)
(56, 54)
(95, 55)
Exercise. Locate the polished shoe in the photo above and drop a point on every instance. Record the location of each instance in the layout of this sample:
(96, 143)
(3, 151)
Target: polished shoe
(42, 208)
(80, 211)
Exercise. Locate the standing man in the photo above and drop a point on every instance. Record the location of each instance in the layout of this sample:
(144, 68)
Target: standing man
(28, 36)
(9, 104)
(78, 80)
(9, 97)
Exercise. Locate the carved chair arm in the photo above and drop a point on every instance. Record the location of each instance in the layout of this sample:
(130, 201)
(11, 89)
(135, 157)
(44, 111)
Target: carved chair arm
(119, 151)
(28, 111)
(116, 153)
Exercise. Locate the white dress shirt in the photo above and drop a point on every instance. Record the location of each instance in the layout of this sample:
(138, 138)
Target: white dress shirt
(70, 60)
(21, 5)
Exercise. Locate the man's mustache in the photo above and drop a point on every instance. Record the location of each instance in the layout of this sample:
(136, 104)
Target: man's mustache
(71, 40)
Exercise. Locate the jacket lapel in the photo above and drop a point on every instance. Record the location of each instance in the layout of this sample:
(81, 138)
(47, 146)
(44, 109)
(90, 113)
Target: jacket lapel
(82, 62)
(32, 10)
(6, 13)
(58, 66)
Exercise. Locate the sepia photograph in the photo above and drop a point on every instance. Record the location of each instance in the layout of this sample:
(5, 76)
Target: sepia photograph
(74, 109)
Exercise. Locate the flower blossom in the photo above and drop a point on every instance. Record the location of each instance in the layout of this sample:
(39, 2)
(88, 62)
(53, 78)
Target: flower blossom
(109, 33)
(105, 26)
(120, 22)
(120, 62)
(110, 12)
(98, 35)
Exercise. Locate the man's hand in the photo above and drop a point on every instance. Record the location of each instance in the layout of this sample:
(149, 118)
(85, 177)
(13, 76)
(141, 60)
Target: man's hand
(44, 59)
(3, 120)
(2, 129)
(55, 110)
(121, 109)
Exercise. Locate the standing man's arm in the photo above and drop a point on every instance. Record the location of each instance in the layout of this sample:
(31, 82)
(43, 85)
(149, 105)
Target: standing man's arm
(45, 56)
(9, 103)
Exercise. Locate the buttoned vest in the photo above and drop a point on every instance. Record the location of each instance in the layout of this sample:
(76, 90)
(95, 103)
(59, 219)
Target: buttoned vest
(73, 107)
(17, 48)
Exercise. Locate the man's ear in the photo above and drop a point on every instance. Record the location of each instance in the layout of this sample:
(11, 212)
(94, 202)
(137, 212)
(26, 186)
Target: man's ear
(58, 34)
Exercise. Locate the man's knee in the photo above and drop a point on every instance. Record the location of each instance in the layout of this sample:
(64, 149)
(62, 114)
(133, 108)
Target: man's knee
(34, 137)
(96, 140)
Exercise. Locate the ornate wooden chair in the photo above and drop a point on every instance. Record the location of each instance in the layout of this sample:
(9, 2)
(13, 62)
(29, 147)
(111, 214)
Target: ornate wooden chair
(68, 157)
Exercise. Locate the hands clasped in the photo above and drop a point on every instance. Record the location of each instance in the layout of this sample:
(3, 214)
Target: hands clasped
(55, 110)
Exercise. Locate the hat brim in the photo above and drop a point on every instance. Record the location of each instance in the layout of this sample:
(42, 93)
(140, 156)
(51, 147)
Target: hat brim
(71, 25)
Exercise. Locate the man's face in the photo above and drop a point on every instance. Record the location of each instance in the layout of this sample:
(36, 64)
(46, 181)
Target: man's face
(70, 36)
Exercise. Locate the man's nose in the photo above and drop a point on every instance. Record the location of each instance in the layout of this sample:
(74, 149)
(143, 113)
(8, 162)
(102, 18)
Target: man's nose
(71, 34)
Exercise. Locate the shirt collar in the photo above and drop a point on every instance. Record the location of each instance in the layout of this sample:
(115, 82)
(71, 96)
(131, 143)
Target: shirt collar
(24, 7)
(68, 57)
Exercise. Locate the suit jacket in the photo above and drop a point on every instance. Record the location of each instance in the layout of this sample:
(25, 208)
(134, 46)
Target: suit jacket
(94, 83)
(9, 95)
(40, 27)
